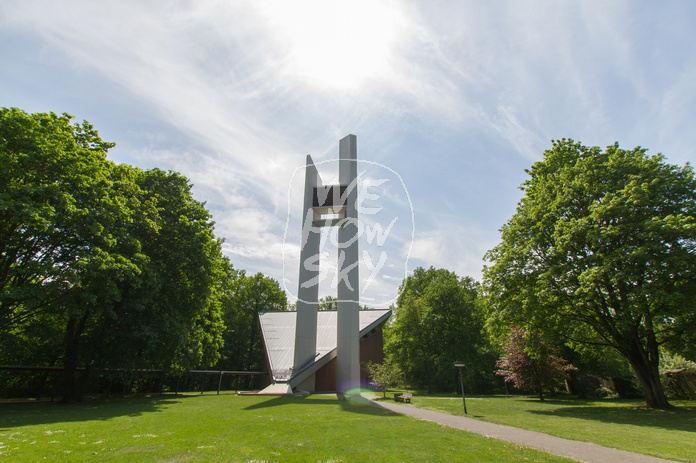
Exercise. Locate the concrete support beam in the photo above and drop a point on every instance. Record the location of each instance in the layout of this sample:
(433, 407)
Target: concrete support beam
(308, 286)
(348, 342)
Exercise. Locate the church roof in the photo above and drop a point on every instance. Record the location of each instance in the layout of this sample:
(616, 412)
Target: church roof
(278, 330)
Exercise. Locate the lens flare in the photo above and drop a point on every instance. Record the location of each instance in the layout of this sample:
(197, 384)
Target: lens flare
(352, 390)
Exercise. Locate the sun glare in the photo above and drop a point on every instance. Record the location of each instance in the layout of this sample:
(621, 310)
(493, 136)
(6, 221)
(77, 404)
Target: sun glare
(337, 44)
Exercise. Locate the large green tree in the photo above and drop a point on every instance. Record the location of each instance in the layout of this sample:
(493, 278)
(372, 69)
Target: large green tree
(101, 265)
(602, 248)
(55, 188)
(437, 321)
(243, 298)
(170, 316)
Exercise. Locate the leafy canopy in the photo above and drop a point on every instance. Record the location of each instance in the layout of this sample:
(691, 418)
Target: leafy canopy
(101, 265)
(602, 247)
(530, 363)
(384, 375)
(437, 321)
(243, 298)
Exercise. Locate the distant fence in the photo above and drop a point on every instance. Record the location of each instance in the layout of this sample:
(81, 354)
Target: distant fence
(45, 381)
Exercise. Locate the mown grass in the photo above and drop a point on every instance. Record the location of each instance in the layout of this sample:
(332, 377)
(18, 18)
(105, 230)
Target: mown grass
(234, 428)
(622, 424)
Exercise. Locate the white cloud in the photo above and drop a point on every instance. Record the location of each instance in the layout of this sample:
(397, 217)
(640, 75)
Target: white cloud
(453, 246)
(467, 93)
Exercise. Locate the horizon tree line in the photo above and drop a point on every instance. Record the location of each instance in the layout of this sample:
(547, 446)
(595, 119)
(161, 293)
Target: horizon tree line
(106, 265)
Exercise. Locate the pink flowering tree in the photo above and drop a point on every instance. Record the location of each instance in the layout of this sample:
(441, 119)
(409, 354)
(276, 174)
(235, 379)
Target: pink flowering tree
(531, 364)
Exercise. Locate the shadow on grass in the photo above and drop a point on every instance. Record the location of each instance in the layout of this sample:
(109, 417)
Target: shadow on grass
(360, 405)
(682, 418)
(28, 414)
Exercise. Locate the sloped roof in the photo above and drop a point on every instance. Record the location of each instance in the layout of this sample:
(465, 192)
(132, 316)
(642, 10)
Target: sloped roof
(278, 330)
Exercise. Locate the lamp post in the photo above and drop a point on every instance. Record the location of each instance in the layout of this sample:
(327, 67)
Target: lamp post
(461, 365)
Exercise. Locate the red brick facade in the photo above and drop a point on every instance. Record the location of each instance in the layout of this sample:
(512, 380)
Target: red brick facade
(371, 350)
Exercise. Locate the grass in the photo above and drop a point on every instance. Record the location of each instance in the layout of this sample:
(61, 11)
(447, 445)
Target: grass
(622, 424)
(234, 428)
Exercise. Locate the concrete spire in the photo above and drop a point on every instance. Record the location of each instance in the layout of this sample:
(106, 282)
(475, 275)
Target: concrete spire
(308, 287)
(340, 203)
(348, 345)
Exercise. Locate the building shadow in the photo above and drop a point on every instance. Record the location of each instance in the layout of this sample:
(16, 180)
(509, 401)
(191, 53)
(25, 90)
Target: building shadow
(357, 405)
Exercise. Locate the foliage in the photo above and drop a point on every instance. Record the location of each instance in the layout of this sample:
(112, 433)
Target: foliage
(331, 303)
(676, 362)
(384, 375)
(602, 250)
(438, 321)
(684, 345)
(592, 362)
(171, 315)
(102, 265)
(530, 364)
(243, 298)
(328, 303)
(678, 375)
(54, 211)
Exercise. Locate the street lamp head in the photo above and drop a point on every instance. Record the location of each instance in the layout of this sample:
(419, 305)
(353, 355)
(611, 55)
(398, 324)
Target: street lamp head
(459, 364)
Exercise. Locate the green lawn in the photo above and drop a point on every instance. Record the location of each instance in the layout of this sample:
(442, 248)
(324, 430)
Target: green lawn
(623, 424)
(234, 428)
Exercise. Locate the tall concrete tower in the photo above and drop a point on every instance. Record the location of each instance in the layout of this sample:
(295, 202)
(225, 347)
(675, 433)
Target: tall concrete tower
(329, 206)
(348, 343)
(308, 288)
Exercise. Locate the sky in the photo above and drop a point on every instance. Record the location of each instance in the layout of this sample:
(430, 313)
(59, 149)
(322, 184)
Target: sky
(450, 102)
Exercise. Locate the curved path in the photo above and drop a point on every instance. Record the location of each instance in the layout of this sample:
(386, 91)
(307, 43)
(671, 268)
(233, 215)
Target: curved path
(577, 450)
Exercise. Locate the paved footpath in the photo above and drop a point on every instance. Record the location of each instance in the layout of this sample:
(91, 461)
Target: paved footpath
(580, 451)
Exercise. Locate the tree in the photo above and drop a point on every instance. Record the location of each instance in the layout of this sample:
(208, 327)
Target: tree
(52, 175)
(592, 360)
(166, 314)
(106, 264)
(589, 360)
(244, 298)
(602, 248)
(62, 211)
(331, 303)
(530, 364)
(437, 321)
(328, 303)
(384, 375)
(181, 320)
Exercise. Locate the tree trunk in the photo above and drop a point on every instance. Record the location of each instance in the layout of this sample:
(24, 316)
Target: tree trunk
(252, 339)
(645, 361)
(70, 363)
(73, 331)
(574, 386)
(645, 364)
(429, 384)
(649, 378)
(647, 368)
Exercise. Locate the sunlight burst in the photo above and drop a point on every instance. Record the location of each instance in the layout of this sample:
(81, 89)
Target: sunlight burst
(337, 44)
